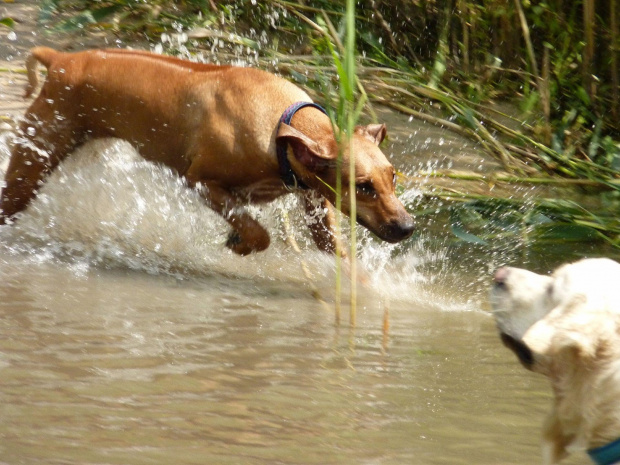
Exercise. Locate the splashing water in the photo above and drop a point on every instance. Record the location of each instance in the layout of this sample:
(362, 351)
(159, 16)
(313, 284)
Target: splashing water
(107, 206)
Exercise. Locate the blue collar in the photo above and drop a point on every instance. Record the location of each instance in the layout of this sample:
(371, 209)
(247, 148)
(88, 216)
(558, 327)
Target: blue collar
(607, 454)
(286, 172)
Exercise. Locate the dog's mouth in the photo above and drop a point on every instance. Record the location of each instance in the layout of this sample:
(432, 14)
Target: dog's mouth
(392, 231)
(523, 352)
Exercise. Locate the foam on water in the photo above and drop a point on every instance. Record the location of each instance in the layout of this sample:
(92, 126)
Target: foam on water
(107, 206)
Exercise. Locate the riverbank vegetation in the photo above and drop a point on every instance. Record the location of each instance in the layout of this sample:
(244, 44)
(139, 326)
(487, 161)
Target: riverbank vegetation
(443, 61)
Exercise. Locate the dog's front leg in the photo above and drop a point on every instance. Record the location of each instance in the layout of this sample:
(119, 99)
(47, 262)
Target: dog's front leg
(247, 235)
(321, 219)
(554, 441)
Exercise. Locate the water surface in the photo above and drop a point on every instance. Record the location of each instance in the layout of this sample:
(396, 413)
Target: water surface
(130, 335)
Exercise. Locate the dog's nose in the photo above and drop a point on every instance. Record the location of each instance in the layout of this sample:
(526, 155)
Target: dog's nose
(396, 231)
(500, 277)
(404, 229)
(407, 228)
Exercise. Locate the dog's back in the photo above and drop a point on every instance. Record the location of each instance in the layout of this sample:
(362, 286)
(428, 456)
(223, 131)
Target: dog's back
(97, 94)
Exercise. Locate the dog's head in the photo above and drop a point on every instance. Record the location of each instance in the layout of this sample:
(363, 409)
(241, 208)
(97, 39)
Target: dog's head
(567, 326)
(566, 318)
(378, 208)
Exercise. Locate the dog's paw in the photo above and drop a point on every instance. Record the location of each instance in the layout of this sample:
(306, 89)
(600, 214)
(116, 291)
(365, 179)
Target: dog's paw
(246, 245)
(234, 239)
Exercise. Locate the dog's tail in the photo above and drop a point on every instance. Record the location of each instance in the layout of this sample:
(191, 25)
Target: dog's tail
(44, 55)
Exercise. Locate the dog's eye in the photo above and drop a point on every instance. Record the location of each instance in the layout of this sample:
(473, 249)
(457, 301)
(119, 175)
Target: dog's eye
(365, 188)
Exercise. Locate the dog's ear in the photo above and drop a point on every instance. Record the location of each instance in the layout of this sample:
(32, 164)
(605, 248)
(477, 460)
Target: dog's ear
(373, 132)
(589, 335)
(572, 329)
(308, 152)
(583, 345)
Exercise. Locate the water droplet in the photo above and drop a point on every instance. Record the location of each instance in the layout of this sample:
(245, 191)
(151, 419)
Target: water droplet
(11, 36)
(31, 131)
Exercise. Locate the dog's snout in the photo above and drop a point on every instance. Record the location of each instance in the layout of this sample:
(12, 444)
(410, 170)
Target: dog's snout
(396, 231)
(407, 228)
(500, 277)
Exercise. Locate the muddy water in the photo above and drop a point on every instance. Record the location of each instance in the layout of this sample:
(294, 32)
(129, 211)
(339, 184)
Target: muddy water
(130, 335)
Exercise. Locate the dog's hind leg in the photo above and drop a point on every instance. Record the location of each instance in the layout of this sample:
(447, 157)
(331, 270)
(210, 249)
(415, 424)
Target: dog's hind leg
(43, 139)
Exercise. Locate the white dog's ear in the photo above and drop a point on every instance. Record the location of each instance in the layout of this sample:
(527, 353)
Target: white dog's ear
(572, 329)
(583, 345)
(549, 345)
(564, 327)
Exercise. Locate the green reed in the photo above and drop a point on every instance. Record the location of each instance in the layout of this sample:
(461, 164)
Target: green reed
(347, 115)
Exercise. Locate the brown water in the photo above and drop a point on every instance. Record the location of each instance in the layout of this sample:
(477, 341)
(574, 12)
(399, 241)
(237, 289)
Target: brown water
(120, 367)
(130, 335)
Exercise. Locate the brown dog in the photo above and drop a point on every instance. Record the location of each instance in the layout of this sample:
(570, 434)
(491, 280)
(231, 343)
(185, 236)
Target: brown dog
(219, 127)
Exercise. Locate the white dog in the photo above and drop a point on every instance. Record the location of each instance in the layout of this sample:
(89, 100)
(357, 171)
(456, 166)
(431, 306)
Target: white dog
(567, 327)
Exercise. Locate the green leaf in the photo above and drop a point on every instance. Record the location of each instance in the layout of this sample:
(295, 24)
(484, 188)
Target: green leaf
(529, 103)
(583, 96)
(86, 17)
(595, 141)
(467, 116)
(327, 185)
(360, 106)
(47, 9)
(8, 22)
(537, 219)
(459, 232)
(457, 227)
(566, 232)
(298, 77)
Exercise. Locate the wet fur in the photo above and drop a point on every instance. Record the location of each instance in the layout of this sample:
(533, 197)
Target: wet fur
(567, 327)
(213, 125)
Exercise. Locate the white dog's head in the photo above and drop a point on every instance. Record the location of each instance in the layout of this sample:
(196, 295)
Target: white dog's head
(537, 314)
(567, 327)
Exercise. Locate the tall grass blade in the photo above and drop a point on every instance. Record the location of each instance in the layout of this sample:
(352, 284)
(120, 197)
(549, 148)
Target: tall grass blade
(351, 111)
